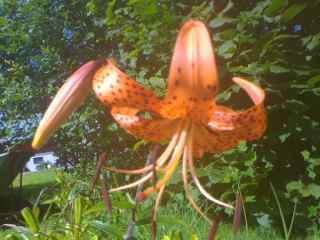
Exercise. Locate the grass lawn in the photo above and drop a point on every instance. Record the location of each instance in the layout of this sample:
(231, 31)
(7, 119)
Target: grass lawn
(176, 221)
(33, 183)
(44, 177)
(15, 199)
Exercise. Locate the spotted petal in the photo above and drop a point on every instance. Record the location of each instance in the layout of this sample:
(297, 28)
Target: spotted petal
(156, 129)
(129, 101)
(193, 79)
(114, 88)
(227, 128)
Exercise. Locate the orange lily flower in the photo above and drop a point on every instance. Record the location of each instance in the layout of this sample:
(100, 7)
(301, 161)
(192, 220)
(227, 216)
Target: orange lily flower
(187, 117)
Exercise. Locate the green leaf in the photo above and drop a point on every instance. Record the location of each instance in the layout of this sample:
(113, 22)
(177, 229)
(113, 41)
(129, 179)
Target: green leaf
(295, 185)
(77, 210)
(275, 6)
(139, 144)
(293, 11)
(24, 233)
(173, 220)
(110, 13)
(278, 69)
(227, 49)
(91, 7)
(314, 189)
(108, 229)
(123, 203)
(283, 137)
(311, 42)
(314, 80)
(220, 21)
(264, 220)
(30, 220)
(305, 154)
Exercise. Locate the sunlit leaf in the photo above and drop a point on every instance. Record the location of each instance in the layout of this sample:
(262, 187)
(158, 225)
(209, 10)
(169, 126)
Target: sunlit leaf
(220, 21)
(293, 11)
(314, 190)
(278, 69)
(314, 80)
(275, 6)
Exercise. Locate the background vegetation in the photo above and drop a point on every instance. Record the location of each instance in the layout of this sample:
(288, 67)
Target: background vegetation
(275, 43)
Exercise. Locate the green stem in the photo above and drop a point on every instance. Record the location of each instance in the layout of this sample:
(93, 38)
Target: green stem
(284, 225)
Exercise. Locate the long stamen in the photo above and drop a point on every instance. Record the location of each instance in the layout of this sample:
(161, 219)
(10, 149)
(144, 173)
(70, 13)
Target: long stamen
(196, 179)
(161, 160)
(133, 184)
(158, 200)
(155, 210)
(186, 188)
(173, 164)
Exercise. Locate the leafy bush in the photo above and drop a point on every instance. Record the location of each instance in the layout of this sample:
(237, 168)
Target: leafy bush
(73, 211)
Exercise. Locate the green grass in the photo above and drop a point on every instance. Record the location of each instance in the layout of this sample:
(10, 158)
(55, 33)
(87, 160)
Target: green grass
(181, 217)
(177, 220)
(33, 183)
(184, 219)
(45, 177)
(14, 199)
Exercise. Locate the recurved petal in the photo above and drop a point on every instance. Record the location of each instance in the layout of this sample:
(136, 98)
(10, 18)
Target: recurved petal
(227, 128)
(206, 140)
(153, 129)
(246, 125)
(114, 88)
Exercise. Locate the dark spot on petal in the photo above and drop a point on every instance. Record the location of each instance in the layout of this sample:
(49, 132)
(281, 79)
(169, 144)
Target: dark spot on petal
(211, 87)
(252, 119)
